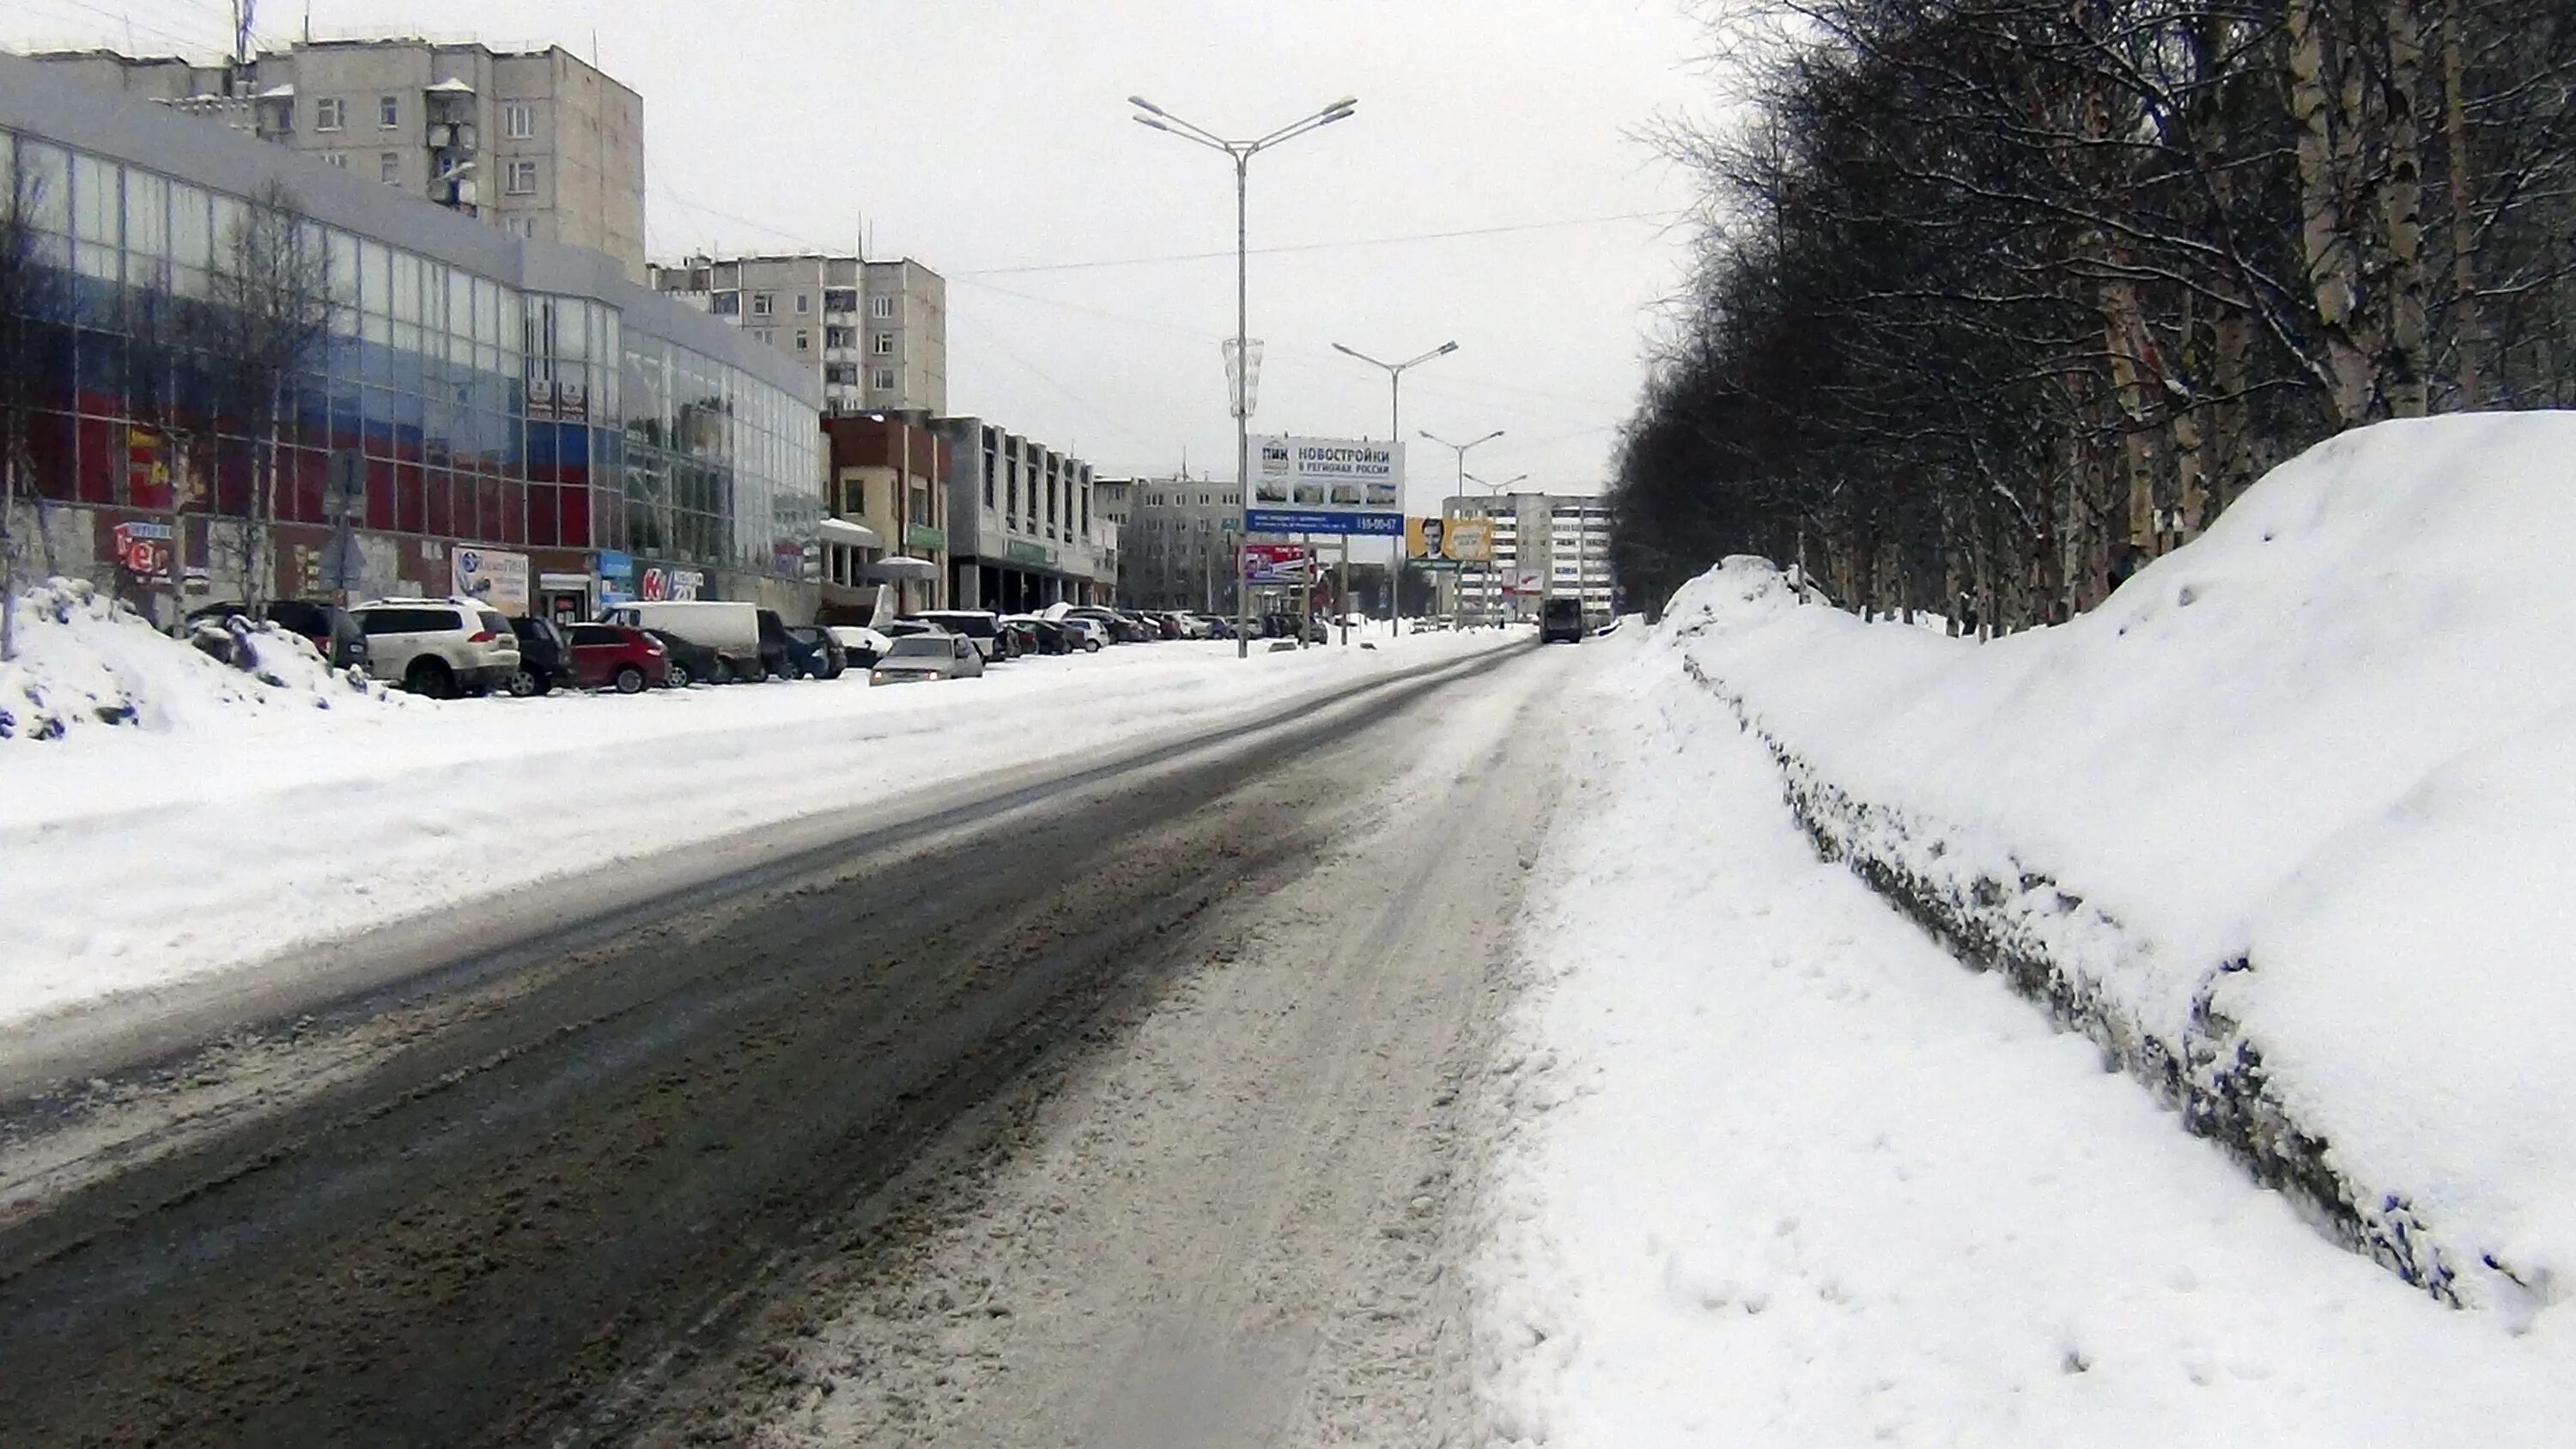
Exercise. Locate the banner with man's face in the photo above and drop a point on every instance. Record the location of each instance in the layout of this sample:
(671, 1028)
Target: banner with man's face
(1448, 542)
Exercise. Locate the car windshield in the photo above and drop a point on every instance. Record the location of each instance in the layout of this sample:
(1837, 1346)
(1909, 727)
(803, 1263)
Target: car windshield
(931, 645)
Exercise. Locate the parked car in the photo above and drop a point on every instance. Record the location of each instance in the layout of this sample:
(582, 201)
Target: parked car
(1560, 619)
(778, 656)
(975, 624)
(729, 627)
(686, 663)
(1084, 632)
(861, 647)
(1123, 627)
(333, 632)
(438, 647)
(545, 658)
(1021, 637)
(1217, 626)
(1041, 636)
(916, 657)
(815, 652)
(907, 628)
(613, 656)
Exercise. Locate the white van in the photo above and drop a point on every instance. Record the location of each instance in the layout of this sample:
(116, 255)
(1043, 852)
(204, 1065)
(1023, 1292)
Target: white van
(730, 628)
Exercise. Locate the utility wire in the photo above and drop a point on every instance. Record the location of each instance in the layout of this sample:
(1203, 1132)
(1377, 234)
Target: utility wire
(1378, 241)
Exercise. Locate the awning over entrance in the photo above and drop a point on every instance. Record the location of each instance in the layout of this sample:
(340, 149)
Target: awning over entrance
(842, 531)
(899, 569)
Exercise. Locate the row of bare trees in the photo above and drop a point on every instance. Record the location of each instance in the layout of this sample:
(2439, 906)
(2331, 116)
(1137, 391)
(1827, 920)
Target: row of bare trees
(192, 371)
(1997, 299)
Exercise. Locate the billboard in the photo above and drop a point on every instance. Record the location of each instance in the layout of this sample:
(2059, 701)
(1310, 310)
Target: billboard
(492, 576)
(1326, 485)
(1276, 563)
(1445, 543)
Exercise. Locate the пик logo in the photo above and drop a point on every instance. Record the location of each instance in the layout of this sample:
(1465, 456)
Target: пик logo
(1274, 457)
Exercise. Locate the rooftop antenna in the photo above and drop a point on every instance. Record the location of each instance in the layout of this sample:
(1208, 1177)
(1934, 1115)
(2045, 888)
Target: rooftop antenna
(308, 22)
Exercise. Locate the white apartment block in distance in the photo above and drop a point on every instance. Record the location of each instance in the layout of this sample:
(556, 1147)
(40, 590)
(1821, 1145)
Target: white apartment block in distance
(875, 333)
(1546, 545)
(539, 143)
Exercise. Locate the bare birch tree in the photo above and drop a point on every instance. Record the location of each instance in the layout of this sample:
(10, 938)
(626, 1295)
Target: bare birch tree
(31, 291)
(269, 305)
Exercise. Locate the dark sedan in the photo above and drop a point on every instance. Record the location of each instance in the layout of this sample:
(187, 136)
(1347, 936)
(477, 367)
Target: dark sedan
(688, 663)
(813, 651)
(545, 659)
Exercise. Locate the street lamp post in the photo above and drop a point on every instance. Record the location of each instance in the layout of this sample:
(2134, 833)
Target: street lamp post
(1241, 153)
(1461, 449)
(1395, 432)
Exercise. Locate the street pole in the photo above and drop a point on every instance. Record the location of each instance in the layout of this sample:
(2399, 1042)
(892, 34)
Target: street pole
(1461, 449)
(1242, 403)
(1241, 152)
(1395, 431)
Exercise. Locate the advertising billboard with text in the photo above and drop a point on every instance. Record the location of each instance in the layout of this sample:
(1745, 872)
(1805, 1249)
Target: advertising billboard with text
(1326, 485)
(1276, 563)
(1448, 542)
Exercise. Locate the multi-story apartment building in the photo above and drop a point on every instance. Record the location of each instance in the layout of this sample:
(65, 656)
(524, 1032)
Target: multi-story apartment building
(1178, 537)
(1546, 545)
(511, 416)
(538, 143)
(1026, 528)
(875, 333)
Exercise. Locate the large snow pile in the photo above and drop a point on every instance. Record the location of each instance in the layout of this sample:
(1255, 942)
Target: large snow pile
(1772, 1171)
(2286, 824)
(88, 665)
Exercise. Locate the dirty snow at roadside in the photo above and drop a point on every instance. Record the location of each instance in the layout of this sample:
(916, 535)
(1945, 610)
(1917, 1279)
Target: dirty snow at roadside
(88, 666)
(1774, 1170)
(137, 859)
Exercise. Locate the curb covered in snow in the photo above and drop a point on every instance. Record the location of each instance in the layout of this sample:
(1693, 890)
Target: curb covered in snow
(2214, 1076)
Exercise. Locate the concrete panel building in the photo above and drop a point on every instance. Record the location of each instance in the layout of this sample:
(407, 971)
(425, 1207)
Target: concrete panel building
(539, 143)
(1177, 540)
(874, 333)
(1025, 527)
(1546, 545)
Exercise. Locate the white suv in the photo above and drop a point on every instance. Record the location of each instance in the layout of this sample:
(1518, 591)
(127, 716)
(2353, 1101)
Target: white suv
(438, 647)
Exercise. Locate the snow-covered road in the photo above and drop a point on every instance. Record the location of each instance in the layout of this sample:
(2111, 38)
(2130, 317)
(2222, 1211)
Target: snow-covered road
(1775, 1170)
(138, 859)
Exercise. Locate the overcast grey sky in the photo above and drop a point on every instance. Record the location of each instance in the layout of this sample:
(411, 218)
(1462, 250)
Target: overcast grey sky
(992, 142)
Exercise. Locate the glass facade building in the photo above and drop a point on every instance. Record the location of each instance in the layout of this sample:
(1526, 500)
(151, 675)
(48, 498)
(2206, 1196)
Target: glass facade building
(498, 393)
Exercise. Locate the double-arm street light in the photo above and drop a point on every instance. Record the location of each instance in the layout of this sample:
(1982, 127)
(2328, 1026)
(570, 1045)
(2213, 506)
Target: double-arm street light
(1462, 449)
(1395, 433)
(1498, 489)
(1242, 152)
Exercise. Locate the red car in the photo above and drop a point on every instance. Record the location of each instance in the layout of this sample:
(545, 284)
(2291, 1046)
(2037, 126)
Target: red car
(612, 656)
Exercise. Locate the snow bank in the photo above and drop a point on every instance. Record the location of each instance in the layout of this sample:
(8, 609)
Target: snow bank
(88, 665)
(1774, 1172)
(136, 861)
(2285, 823)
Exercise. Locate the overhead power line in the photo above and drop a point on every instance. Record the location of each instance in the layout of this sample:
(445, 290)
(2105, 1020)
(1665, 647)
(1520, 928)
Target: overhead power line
(1375, 241)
